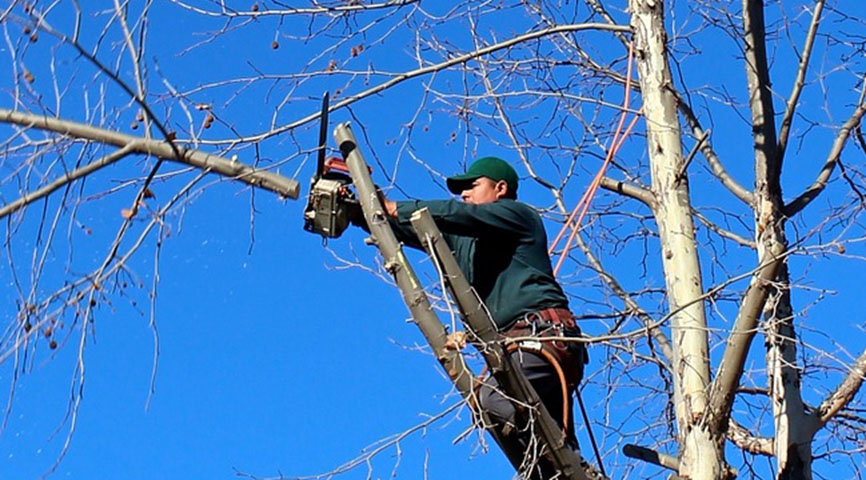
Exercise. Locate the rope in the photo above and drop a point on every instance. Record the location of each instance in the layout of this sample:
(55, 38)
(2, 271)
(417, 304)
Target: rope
(583, 205)
(589, 431)
(580, 211)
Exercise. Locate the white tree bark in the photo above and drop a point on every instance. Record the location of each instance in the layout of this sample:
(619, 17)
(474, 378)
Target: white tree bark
(701, 456)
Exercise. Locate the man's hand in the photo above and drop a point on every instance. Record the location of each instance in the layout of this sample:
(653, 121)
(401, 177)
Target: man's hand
(389, 205)
(390, 208)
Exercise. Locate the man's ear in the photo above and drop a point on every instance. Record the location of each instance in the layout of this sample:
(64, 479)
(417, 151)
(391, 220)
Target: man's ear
(501, 189)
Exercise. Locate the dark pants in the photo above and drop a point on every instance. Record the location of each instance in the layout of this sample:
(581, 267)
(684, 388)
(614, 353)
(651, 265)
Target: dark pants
(520, 439)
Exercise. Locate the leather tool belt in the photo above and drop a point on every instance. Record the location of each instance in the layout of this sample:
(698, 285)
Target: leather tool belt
(553, 322)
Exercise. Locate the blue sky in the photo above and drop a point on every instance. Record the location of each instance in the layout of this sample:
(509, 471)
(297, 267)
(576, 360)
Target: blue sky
(275, 356)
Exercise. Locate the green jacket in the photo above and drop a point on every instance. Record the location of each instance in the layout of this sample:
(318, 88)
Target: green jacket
(501, 248)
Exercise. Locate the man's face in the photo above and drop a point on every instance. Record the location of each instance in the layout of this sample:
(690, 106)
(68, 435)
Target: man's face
(484, 190)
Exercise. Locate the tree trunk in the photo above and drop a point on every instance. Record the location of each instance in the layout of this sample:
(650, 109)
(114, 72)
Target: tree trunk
(794, 428)
(701, 453)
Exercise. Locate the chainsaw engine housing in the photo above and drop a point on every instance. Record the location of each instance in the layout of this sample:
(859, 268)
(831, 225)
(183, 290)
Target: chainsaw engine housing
(328, 206)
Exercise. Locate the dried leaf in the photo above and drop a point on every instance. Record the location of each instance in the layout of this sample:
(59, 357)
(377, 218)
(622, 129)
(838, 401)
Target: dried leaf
(127, 213)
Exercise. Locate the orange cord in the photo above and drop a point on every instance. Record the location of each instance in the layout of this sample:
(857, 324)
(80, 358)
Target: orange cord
(583, 205)
(613, 144)
(551, 359)
(593, 187)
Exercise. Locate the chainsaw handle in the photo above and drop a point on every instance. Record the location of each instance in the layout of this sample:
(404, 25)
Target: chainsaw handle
(339, 165)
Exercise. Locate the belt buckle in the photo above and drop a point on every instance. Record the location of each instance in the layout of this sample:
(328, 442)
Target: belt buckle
(532, 319)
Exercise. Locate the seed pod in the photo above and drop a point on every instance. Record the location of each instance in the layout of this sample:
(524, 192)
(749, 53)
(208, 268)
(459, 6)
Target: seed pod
(275, 45)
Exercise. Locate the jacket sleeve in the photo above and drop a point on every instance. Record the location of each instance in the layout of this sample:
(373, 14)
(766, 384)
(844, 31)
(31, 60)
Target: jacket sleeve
(402, 230)
(504, 217)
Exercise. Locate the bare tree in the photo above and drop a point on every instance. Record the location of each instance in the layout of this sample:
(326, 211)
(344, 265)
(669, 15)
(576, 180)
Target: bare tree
(678, 265)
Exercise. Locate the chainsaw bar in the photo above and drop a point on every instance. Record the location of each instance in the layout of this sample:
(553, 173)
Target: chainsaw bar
(323, 136)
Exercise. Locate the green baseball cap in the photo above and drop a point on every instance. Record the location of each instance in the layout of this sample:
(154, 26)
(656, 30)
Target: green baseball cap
(493, 168)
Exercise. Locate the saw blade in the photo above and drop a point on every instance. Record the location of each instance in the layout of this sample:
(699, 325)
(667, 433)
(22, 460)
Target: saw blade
(323, 135)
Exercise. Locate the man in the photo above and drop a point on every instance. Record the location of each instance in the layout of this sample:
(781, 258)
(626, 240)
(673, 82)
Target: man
(501, 246)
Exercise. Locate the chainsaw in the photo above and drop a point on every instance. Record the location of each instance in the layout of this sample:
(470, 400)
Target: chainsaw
(331, 200)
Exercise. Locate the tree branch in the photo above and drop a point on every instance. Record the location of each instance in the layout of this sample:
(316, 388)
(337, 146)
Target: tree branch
(707, 150)
(69, 177)
(723, 388)
(844, 393)
(654, 327)
(691, 156)
(741, 437)
(651, 456)
(805, 198)
(746, 242)
(267, 180)
(768, 164)
(791, 106)
(629, 190)
(431, 69)
(350, 7)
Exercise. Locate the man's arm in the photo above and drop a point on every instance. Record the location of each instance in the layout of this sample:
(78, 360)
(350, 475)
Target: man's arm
(402, 229)
(504, 217)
